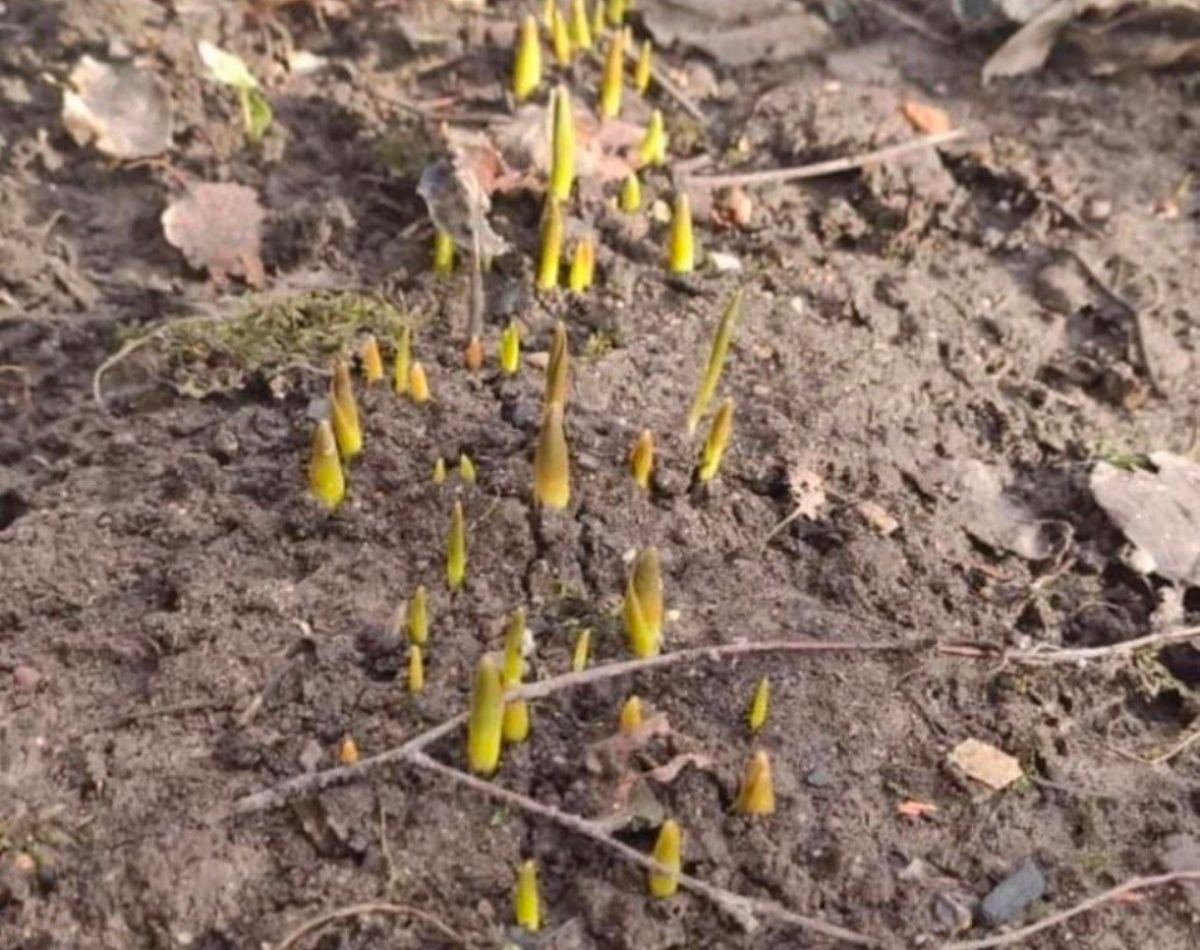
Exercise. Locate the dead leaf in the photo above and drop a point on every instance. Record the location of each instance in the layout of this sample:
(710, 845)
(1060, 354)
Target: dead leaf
(603, 150)
(916, 809)
(926, 118)
(218, 227)
(992, 515)
(808, 493)
(666, 773)
(612, 755)
(986, 764)
(457, 190)
(125, 110)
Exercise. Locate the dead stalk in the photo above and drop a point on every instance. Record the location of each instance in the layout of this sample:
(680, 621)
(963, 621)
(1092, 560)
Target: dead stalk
(358, 910)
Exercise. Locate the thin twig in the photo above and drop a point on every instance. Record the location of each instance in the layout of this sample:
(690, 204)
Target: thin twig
(370, 907)
(1050, 656)
(178, 709)
(745, 910)
(1016, 936)
(911, 21)
(834, 166)
(1183, 745)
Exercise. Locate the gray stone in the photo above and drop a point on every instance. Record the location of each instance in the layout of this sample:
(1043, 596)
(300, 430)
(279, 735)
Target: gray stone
(1012, 895)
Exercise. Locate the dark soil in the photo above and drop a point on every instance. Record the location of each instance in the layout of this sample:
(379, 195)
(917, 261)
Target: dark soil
(161, 565)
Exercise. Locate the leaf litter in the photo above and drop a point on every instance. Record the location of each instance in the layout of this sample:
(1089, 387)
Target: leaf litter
(218, 228)
(123, 109)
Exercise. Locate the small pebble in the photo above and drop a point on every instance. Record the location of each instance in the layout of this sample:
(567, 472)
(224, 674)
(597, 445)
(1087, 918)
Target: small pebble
(818, 778)
(1012, 895)
(225, 445)
(26, 678)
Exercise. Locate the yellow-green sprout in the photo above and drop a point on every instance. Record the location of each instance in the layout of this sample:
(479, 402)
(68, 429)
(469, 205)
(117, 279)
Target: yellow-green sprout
(641, 70)
(598, 19)
(510, 348)
(630, 719)
(548, 8)
(631, 194)
(551, 461)
(560, 37)
(611, 77)
(400, 370)
(653, 147)
(714, 445)
(550, 254)
(667, 852)
(759, 705)
(583, 647)
(443, 253)
(681, 242)
(416, 618)
(514, 646)
(716, 361)
(439, 471)
(473, 354)
(641, 459)
(456, 549)
(643, 610)
(418, 382)
(615, 12)
(466, 469)
(562, 155)
(583, 265)
(526, 901)
(515, 724)
(325, 478)
(343, 411)
(559, 366)
(580, 29)
(485, 719)
(757, 793)
(416, 669)
(372, 361)
(527, 63)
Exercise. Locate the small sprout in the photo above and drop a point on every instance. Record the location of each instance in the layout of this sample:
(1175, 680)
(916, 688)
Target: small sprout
(372, 362)
(757, 793)
(583, 265)
(418, 382)
(598, 19)
(583, 647)
(347, 751)
(325, 478)
(716, 361)
(551, 461)
(456, 549)
(527, 63)
(439, 471)
(667, 853)
(514, 647)
(417, 617)
(560, 37)
(653, 147)
(473, 355)
(485, 719)
(416, 669)
(510, 348)
(641, 459)
(466, 469)
(611, 77)
(548, 8)
(562, 155)
(230, 70)
(615, 12)
(526, 900)
(641, 71)
(681, 243)
(558, 367)
(515, 724)
(443, 253)
(759, 705)
(580, 29)
(631, 194)
(714, 445)
(344, 411)
(631, 716)
(644, 604)
(550, 253)
(400, 371)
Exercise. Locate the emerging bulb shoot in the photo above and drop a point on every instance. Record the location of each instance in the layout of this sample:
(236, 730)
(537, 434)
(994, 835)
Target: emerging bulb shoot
(347, 751)
(418, 383)
(757, 793)
(527, 63)
(550, 253)
(372, 361)
(558, 367)
(514, 647)
(630, 719)
(551, 461)
(527, 903)
(644, 605)
(416, 669)
(560, 38)
(611, 77)
(615, 12)
(416, 618)
(581, 652)
(581, 30)
(473, 354)
(598, 19)
(641, 71)
(562, 156)
(439, 471)
(400, 371)
(325, 478)
(631, 194)
(641, 460)
(715, 444)
(667, 852)
(653, 148)
(759, 705)
(466, 469)
(681, 242)
(443, 253)
(485, 718)
(456, 549)
(716, 361)
(510, 349)
(583, 266)
(343, 410)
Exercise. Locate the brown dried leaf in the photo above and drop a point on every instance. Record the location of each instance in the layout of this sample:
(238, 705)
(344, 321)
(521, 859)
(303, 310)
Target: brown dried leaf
(612, 755)
(603, 150)
(926, 118)
(808, 493)
(126, 110)
(985, 763)
(218, 229)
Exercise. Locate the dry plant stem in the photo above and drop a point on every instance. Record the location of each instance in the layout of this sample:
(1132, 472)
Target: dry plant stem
(358, 910)
(1058, 655)
(821, 169)
(1017, 936)
(745, 910)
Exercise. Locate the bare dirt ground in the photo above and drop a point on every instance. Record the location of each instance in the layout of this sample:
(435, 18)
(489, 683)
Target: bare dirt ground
(915, 335)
